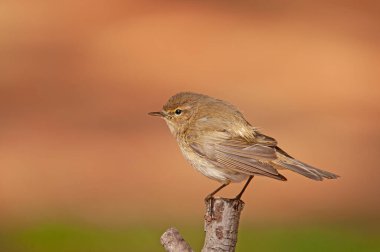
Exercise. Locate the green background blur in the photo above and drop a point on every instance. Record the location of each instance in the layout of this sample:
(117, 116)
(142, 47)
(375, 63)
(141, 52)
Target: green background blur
(83, 168)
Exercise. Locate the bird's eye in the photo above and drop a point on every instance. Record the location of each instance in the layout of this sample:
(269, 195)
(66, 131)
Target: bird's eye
(178, 111)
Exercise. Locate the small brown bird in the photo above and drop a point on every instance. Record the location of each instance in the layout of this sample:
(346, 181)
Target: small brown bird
(217, 141)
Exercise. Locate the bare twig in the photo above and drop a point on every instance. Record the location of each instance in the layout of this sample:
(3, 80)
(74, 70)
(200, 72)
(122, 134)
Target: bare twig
(221, 228)
(173, 241)
(221, 224)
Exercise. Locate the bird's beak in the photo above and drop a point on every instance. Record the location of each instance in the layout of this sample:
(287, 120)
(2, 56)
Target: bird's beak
(160, 114)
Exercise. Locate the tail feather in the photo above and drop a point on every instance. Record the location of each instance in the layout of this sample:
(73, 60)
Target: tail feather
(286, 161)
(324, 174)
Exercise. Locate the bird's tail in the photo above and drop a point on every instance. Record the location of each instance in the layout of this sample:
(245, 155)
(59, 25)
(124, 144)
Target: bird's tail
(284, 160)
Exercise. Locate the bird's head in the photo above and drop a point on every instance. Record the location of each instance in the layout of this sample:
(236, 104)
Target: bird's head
(178, 110)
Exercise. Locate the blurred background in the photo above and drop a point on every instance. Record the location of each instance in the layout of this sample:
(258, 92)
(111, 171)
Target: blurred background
(84, 168)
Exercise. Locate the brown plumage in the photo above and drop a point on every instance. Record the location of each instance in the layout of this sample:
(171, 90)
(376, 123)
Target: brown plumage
(219, 142)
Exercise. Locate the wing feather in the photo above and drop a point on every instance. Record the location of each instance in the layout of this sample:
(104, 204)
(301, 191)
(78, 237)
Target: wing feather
(245, 167)
(236, 154)
(255, 151)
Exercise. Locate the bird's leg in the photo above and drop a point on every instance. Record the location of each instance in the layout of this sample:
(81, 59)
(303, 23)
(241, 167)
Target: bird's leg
(210, 198)
(245, 186)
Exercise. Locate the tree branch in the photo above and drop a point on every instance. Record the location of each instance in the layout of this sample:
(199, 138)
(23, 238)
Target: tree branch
(173, 241)
(221, 224)
(221, 227)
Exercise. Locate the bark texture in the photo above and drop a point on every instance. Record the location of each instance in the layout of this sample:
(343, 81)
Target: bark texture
(221, 228)
(221, 224)
(173, 241)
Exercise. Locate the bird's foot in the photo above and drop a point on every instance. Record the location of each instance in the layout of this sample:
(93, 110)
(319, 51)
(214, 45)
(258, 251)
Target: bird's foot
(208, 197)
(209, 200)
(238, 197)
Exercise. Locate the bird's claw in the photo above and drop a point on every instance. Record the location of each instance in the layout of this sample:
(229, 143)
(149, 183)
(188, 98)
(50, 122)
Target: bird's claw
(209, 200)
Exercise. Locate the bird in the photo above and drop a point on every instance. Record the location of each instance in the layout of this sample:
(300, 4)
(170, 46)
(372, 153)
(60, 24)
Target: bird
(217, 140)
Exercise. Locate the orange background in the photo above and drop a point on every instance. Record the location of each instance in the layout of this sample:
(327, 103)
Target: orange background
(77, 79)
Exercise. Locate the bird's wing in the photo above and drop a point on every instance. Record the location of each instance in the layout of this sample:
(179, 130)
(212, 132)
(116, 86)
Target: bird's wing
(236, 154)
(262, 139)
